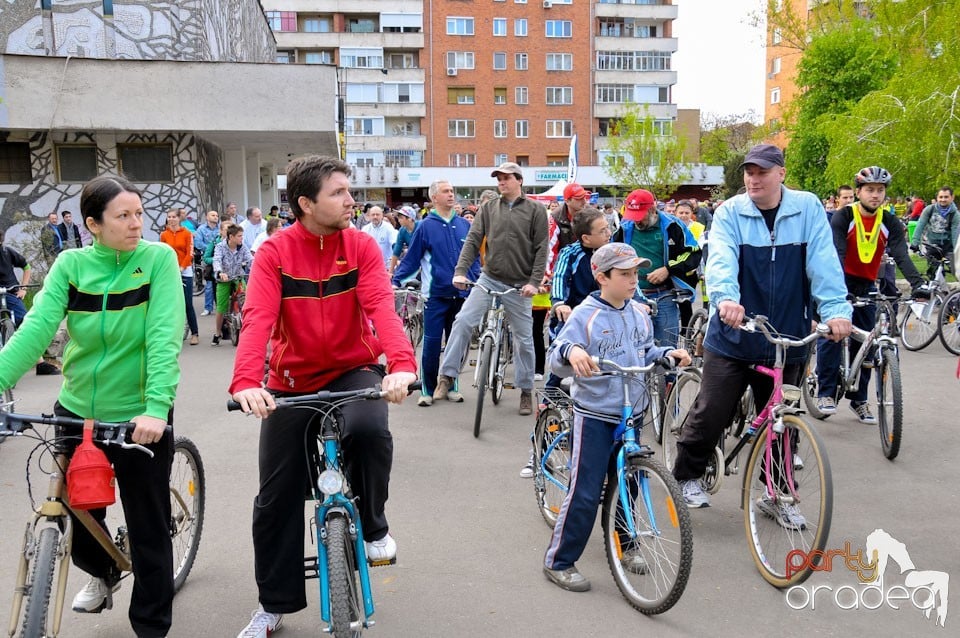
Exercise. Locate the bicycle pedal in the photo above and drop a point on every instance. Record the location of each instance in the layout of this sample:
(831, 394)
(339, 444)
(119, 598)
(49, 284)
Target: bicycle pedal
(382, 563)
(508, 386)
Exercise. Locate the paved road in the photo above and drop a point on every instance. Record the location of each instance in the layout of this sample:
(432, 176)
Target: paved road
(471, 540)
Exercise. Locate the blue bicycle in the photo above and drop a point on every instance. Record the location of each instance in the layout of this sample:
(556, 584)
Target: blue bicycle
(346, 599)
(643, 513)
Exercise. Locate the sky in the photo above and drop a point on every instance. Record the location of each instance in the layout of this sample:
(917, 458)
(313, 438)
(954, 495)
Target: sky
(720, 57)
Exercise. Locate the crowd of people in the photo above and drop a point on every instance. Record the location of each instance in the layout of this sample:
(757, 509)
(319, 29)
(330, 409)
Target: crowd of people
(327, 276)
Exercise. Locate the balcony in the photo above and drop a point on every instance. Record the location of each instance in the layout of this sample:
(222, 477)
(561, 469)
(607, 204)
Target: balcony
(658, 12)
(404, 110)
(654, 78)
(624, 43)
(386, 142)
(658, 111)
(355, 40)
(340, 6)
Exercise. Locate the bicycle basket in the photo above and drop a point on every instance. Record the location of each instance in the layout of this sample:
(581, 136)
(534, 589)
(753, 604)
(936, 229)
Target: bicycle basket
(90, 480)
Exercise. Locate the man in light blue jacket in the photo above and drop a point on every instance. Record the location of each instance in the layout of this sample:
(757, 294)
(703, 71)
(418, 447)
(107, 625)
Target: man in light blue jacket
(771, 253)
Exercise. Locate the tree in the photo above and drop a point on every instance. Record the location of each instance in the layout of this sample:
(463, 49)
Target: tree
(644, 155)
(724, 136)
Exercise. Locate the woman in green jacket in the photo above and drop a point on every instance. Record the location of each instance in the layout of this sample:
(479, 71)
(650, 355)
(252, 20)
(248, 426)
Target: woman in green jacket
(121, 299)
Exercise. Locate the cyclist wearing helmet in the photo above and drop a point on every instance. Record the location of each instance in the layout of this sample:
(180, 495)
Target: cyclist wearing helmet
(861, 233)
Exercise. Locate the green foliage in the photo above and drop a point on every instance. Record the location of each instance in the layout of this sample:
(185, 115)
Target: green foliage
(641, 158)
(732, 175)
(726, 136)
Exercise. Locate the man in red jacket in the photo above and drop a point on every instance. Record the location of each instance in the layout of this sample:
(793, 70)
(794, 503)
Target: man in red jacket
(314, 292)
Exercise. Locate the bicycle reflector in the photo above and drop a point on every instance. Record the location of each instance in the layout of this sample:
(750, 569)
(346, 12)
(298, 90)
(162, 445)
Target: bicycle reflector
(330, 482)
(90, 480)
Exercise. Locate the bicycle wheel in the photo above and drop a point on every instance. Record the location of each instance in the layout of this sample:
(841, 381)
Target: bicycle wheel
(774, 525)
(697, 330)
(551, 455)
(653, 418)
(198, 283)
(652, 569)
(342, 578)
(235, 325)
(810, 386)
(413, 326)
(889, 403)
(40, 583)
(950, 323)
(919, 324)
(496, 378)
(682, 396)
(483, 376)
(6, 332)
(187, 499)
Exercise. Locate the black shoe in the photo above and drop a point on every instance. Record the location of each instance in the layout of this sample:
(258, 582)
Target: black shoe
(216, 341)
(44, 368)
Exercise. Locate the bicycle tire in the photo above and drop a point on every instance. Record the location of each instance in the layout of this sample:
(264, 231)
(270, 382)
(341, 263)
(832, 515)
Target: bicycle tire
(551, 426)
(40, 584)
(949, 321)
(682, 395)
(889, 403)
(810, 386)
(770, 541)
(915, 332)
(413, 326)
(653, 418)
(188, 495)
(484, 356)
(697, 330)
(344, 590)
(235, 325)
(496, 379)
(198, 282)
(664, 537)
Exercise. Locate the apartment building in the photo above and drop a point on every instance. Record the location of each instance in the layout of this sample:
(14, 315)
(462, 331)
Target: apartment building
(450, 88)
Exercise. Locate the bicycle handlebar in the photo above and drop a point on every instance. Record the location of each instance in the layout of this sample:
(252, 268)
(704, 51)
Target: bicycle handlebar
(667, 363)
(11, 289)
(494, 293)
(14, 424)
(369, 394)
(761, 324)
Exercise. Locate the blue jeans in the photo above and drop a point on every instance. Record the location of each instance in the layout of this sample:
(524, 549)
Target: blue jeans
(666, 325)
(438, 316)
(188, 301)
(16, 307)
(209, 296)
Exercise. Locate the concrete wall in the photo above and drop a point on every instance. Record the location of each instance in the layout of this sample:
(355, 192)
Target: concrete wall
(188, 30)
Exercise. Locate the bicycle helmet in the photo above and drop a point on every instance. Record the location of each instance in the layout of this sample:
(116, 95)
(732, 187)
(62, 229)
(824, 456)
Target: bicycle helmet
(873, 175)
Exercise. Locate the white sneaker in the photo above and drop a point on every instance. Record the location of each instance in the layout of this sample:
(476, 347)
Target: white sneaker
(425, 400)
(94, 597)
(262, 624)
(693, 494)
(382, 552)
(527, 471)
(205, 313)
(538, 377)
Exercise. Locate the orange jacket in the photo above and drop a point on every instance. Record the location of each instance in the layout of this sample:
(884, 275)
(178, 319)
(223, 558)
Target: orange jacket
(182, 242)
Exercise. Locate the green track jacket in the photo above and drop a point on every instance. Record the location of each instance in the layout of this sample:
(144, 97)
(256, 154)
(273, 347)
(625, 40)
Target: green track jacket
(125, 314)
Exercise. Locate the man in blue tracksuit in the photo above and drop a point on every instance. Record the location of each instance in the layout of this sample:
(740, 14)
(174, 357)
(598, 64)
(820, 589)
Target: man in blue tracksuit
(433, 252)
(771, 250)
(673, 251)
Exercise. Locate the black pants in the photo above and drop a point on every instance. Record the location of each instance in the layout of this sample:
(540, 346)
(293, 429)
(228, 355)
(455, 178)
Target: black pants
(724, 381)
(145, 495)
(278, 521)
(539, 348)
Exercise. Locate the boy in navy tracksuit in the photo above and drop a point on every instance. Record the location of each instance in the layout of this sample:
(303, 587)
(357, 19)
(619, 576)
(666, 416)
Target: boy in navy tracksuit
(433, 252)
(611, 325)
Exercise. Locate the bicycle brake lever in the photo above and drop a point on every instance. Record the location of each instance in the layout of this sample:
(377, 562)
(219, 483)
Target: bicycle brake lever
(136, 446)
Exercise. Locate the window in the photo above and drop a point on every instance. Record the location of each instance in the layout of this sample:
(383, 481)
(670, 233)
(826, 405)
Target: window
(282, 21)
(777, 37)
(520, 95)
(405, 128)
(775, 95)
(316, 25)
(318, 57)
(633, 61)
(559, 128)
(520, 61)
(461, 128)
(363, 93)
(361, 25)
(463, 159)
(364, 126)
(557, 160)
(500, 158)
(76, 163)
(499, 61)
(361, 58)
(559, 62)
(559, 28)
(401, 22)
(520, 27)
(614, 93)
(459, 26)
(499, 128)
(500, 27)
(522, 128)
(401, 61)
(626, 28)
(284, 57)
(775, 66)
(559, 95)
(146, 162)
(15, 163)
(460, 95)
(499, 95)
(460, 59)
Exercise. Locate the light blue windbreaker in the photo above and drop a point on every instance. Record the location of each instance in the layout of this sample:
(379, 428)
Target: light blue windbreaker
(624, 335)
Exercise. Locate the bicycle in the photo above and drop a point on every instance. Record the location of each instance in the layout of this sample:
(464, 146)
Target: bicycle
(233, 318)
(799, 471)
(551, 451)
(921, 319)
(643, 511)
(199, 284)
(950, 323)
(409, 304)
(7, 328)
(47, 541)
(494, 353)
(658, 386)
(346, 606)
(879, 352)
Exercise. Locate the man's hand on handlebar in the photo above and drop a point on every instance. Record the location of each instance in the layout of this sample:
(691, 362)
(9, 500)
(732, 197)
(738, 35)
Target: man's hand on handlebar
(840, 328)
(528, 290)
(460, 282)
(396, 386)
(682, 357)
(255, 401)
(731, 313)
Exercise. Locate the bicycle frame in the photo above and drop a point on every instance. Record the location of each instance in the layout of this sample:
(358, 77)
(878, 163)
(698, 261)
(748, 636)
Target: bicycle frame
(493, 327)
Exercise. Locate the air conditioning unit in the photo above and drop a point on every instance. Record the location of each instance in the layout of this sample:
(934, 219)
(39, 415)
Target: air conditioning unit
(547, 4)
(452, 71)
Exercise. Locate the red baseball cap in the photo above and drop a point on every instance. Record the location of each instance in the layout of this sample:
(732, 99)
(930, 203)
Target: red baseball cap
(575, 191)
(637, 204)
